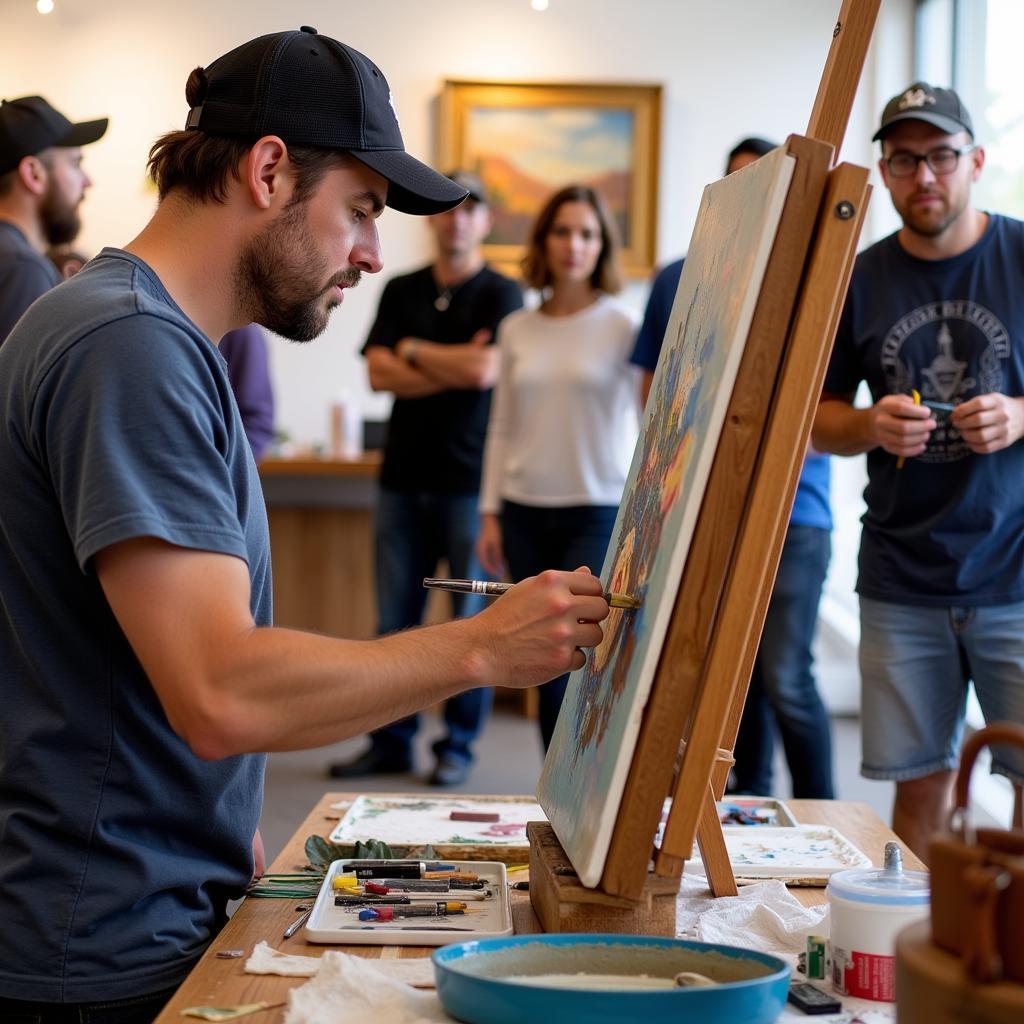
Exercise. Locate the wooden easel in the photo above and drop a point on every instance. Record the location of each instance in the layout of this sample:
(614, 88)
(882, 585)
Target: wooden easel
(703, 672)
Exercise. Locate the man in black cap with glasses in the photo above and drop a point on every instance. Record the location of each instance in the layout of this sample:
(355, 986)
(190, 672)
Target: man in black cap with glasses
(933, 324)
(42, 184)
(141, 674)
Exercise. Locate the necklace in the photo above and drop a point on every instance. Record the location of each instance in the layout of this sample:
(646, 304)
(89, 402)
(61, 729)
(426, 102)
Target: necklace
(447, 292)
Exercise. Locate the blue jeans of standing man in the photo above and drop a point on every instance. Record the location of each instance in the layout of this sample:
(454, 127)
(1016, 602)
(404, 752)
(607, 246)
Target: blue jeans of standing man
(414, 531)
(535, 539)
(782, 691)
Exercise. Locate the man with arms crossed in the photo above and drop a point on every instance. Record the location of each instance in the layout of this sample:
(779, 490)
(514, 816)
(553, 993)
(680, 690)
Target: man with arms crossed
(431, 345)
(933, 323)
(140, 672)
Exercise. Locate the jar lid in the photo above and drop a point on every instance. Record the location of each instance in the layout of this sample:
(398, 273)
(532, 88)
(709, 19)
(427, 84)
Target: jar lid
(873, 885)
(889, 885)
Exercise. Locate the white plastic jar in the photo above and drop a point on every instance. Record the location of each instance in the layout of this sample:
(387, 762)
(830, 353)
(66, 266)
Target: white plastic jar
(868, 909)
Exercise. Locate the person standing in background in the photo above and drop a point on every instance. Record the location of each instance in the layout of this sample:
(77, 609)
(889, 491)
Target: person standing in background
(42, 184)
(245, 352)
(432, 347)
(565, 416)
(782, 693)
(933, 323)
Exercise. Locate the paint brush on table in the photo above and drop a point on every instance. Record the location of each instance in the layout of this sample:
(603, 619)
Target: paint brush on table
(489, 589)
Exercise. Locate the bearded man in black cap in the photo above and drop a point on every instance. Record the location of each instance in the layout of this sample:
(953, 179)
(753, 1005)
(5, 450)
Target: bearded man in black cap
(141, 673)
(42, 184)
(933, 322)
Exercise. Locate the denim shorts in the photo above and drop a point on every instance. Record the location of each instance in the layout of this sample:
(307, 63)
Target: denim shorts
(916, 664)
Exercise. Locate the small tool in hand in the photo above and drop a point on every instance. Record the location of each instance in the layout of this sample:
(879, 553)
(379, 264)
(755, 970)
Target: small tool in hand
(916, 396)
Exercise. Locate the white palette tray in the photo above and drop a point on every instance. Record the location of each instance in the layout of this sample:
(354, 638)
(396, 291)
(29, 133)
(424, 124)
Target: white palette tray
(341, 926)
(798, 855)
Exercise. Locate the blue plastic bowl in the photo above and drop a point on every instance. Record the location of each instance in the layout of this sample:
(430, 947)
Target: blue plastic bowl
(473, 987)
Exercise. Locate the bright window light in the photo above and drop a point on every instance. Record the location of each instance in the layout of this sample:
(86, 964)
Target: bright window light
(539, 5)
(44, 6)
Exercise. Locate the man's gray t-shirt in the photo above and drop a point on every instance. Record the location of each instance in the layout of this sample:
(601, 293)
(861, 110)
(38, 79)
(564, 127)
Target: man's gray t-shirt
(119, 848)
(24, 275)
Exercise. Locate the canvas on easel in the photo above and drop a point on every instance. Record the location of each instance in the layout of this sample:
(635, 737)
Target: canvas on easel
(596, 734)
(616, 749)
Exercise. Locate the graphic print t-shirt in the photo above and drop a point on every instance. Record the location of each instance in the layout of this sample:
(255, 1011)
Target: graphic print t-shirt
(947, 528)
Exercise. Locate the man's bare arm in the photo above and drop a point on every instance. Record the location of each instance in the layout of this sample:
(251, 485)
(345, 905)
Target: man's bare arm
(388, 372)
(229, 687)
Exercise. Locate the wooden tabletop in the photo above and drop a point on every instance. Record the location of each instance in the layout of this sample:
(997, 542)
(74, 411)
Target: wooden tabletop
(365, 465)
(218, 982)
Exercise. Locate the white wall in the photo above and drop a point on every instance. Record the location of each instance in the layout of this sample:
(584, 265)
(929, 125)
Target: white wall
(729, 69)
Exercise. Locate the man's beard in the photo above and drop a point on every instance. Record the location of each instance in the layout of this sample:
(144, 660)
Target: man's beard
(928, 226)
(280, 283)
(60, 219)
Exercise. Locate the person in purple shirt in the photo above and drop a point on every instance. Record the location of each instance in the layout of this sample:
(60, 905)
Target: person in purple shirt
(782, 693)
(245, 352)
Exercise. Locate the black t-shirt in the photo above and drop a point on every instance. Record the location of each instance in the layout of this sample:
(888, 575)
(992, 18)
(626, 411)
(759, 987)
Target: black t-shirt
(435, 444)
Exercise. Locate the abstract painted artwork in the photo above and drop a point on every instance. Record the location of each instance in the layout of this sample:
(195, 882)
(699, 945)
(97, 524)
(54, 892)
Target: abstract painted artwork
(588, 762)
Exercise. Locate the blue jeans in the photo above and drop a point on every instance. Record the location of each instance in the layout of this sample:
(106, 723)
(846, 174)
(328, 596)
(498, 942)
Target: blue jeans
(414, 532)
(135, 1010)
(916, 663)
(782, 690)
(535, 539)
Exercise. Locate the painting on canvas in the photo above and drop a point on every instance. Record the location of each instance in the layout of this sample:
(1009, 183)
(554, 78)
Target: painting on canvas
(588, 762)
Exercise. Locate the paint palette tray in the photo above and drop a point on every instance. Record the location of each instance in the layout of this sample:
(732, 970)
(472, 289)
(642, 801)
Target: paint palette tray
(800, 855)
(341, 926)
(451, 827)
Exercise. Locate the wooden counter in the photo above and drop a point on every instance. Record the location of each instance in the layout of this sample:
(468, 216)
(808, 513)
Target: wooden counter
(321, 542)
(216, 982)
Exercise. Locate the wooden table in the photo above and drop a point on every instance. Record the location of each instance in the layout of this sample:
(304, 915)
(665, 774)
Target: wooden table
(216, 982)
(321, 539)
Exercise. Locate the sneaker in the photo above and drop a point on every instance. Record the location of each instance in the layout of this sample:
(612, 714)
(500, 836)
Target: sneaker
(450, 770)
(371, 762)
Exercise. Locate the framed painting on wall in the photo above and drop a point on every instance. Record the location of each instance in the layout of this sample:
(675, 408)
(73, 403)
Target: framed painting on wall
(527, 140)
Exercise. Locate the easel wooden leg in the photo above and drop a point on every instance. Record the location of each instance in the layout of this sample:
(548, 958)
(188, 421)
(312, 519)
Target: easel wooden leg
(711, 841)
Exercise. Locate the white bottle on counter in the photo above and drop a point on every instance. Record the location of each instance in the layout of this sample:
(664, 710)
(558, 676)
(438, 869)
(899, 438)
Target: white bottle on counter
(346, 427)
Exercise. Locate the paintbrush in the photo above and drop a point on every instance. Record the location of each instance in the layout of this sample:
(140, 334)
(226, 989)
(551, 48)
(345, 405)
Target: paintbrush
(489, 589)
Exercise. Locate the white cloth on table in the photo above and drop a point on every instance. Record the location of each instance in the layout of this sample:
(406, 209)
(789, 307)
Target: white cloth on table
(352, 989)
(267, 960)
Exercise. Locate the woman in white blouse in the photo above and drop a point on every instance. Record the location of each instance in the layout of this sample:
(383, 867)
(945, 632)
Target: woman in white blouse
(565, 412)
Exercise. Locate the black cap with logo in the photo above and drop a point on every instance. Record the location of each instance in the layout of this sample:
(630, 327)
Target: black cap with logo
(923, 102)
(312, 90)
(29, 125)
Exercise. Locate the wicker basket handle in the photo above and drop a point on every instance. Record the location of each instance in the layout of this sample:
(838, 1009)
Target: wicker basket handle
(997, 732)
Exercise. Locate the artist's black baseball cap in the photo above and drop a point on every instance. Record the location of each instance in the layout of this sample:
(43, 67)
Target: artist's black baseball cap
(312, 90)
(923, 102)
(28, 125)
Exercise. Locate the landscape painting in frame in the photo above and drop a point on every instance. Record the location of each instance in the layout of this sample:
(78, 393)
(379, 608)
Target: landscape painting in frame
(588, 762)
(527, 141)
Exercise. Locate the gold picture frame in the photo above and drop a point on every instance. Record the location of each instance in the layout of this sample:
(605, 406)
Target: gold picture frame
(526, 140)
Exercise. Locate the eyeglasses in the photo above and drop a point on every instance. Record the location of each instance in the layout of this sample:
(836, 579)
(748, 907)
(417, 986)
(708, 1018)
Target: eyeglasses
(942, 160)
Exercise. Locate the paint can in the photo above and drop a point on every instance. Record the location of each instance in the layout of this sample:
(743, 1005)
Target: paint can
(868, 909)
